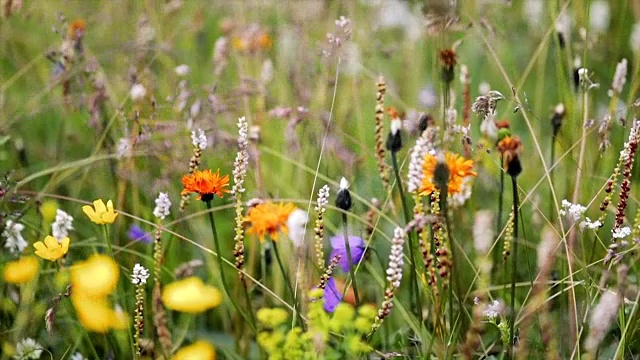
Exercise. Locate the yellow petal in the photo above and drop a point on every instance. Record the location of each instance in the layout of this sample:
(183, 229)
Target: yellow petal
(97, 276)
(94, 313)
(199, 350)
(190, 295)
(88, 210)
(40, 247)
(22, 270)
(110, 206)
(99, 205)
(51, 242)
(108, 217)
(65, 245)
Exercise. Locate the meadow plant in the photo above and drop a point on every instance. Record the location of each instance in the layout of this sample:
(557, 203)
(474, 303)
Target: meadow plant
(181, 180)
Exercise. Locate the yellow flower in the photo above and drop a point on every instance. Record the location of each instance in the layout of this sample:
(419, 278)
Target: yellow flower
(99, 213)
(48, 210)
(199, 350)
(51, 249)
(190, 295)
(97, 276)
(22, 270)
(459, 168)
(95, 314)
(269, 218)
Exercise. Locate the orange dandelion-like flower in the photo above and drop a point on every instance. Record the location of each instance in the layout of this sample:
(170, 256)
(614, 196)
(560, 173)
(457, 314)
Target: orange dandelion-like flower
(269, 218)
(510, 147)
(76, 29)
(206, 184)
(458, 166)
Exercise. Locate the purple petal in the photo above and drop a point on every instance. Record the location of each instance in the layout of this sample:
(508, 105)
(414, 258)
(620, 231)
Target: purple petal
(137, 234)
(356, 245)
(332, 296)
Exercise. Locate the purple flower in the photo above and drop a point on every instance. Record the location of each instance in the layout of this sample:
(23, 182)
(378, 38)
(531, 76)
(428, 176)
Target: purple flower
(332, 296)
(356, 245)
(137, 234)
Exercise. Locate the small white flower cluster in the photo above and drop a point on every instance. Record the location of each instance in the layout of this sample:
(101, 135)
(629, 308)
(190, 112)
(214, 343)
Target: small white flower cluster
(140, 275)
(591, 225)
(123, 148)
(394, 272)
(163, 206)
(241, 163)
(199, 139)
(28, 349)
(323, 199)
(621, 232)
(418, 153)
(77, 356)
(585, 79)
(633, 137)
(572, 211)
(493, 310)
(138, 92)
(458, 199)
(619, 78)
(61, 226)
(182, 70)
(14, 241)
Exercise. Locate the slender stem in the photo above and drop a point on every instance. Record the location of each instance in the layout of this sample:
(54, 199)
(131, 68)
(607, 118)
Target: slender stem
(496, 254)
(405, 208)
(288, 282)
(514, 264)
(350, 259)
(120, 289)
(553, 159)
(249, 319)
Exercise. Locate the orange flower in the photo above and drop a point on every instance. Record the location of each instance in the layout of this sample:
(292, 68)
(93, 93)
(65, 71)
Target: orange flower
(206, 184)
(76, 29)
(459, 168)
(269, 218)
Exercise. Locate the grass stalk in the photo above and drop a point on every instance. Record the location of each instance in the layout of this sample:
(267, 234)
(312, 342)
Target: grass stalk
(347, 246)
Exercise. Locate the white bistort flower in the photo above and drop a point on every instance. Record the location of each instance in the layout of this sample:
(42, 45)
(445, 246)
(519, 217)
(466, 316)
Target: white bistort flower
(139, 275)
(572, 211)
(199, 139)
(61, 226)
(163, 206)
(13, 240)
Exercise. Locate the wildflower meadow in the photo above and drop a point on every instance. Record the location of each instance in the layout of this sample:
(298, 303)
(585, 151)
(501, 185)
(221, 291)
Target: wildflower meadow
(306, 179)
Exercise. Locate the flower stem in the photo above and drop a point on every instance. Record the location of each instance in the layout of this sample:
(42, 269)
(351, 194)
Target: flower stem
(405, 208)
(288, 282)
(514, 263)
(496, 254)
(349, 260)
(249, 319)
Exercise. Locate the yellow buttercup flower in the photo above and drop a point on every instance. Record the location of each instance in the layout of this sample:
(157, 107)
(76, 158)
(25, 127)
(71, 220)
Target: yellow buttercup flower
(95, 314)
(51, 249)
(22, 270)
(199, 350)
(97, 276)
(92, 281)
(48, 210)
(99, 213)
(190, 295)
